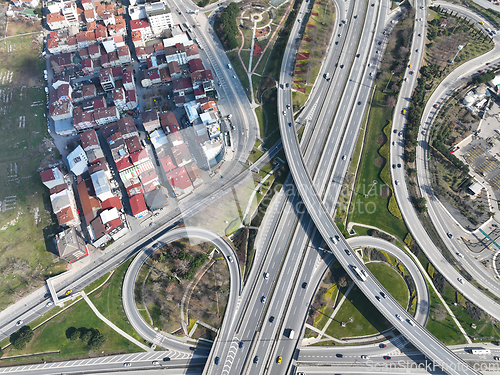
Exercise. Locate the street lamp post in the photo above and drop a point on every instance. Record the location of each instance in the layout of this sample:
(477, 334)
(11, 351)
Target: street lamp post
(459, 49)
(389, 81)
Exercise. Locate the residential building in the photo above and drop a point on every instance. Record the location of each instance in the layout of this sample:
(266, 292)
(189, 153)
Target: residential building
(192, 51)
(61, 111)
(181, 154)
(56, 21)
(165, 75)
(119, 97)
(167, 164)
(94, 51)
(83, 120)
(104, 116)
(124, 54)
(194, 174)
(127, 128)
(182, 86)
(196, 65)
(52, 177)
(69, 10)
(106, 79)
(128, 80)
(71, 245)
(101, 185)
(77, 161)
(150, 120)
(143, 26)
(176, 53)
(159, 17)
(131, 99)
(87, 66)
(180, 182)
(138, 206)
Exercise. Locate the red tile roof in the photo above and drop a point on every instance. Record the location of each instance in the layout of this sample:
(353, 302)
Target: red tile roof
(137, 204)
(112, 202)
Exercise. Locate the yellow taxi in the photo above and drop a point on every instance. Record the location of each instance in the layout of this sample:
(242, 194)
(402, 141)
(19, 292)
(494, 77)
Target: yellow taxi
(68, 292)
(278, 361)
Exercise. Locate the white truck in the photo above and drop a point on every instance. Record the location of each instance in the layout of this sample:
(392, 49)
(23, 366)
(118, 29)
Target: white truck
(291, 334)
(480, 351)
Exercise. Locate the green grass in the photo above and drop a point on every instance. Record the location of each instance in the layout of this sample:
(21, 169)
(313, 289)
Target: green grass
(367, 319)
(392, 281)
(374, 209)
(239, 70)
(52, 336)
(440, 324)
(108, 300)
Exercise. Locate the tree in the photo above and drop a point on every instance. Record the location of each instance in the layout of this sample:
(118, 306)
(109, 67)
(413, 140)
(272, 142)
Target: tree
(342, 282)
(85, 334)
(97, 340)
(22, 337)
(72, 333)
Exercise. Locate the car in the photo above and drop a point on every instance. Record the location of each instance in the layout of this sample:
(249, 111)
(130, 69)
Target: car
(278, 360)
(377, 298)
(397, 182)
(379, 43)
(399, 317)
(290, 124)
(381, 346)
(127, 364)
(383, 294)
(370, 74)
(365, 357)
(155, 363)
(342, 66)
(406, 79)
(240, 345)
(266, 275)
(194, 26)
(460, 280)
(338, 355)
(359, 103)
(395, 131)
(68, 292)
(419, 34)
(435, 105)
(166, 359)
(217, 359)
(304, 284)
(234, 76)
(355, 16)
(376, 51)
(19, 322)
(394, 166)
(343, 157)
(230, 258)
(48, 304)
(488, 63)
(256, 359)
(337, 43)
(496, 358)
(271, 319)
(284, 113)
(263, 299)
(460, 255)
(386, 357)
(399, 165)
(410, 322)
(449, 235)
(347, 252)
(331, 239)
(287, 85)
(150, 224)
(417, 50)
(339, 35)
(288, 106)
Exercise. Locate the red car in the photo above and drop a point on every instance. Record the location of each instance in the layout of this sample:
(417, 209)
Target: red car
(381, 346)
(435, 105)
(194, 26)
(386, 357)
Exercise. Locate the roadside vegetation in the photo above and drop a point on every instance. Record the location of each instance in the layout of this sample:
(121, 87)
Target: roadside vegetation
(372, 201)
(445, 33)
(366, 320)
(26, 227)
(186, 275)
(312, 50)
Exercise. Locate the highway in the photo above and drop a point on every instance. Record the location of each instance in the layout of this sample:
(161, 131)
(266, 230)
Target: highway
(136, 320)
(435, 210)
(416, 334)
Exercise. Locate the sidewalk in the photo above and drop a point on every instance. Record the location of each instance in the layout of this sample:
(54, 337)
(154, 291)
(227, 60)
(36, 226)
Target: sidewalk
(115, 328)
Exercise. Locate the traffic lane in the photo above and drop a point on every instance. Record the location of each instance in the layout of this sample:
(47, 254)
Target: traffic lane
(146, 331)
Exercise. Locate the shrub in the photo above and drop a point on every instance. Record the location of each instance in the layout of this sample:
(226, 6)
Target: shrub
(473, 311)
(408, 240)
(439, 282)
(430, 270)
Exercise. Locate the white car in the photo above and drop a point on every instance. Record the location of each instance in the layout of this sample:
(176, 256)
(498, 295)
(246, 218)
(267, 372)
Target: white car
(155, 363)
(234, 77)
(365, 357)
(397, 182)
(230, 258)
(399, 317)
(460, 255)
(460, 280)
(266, 275)
(288, 106)
(48, 304)
(410, 322)
(19, 322)
(284, 113)
(343, 157)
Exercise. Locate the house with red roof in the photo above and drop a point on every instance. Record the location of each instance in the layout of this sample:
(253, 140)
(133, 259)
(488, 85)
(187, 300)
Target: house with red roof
(180, 182)
(138, 206)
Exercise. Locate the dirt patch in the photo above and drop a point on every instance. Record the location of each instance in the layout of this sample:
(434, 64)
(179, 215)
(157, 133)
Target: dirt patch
(380, 140)
(102, 290)
(440, 313)
(379, 162)
(385, 192)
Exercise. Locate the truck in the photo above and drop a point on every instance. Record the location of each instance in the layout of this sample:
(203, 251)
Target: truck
(479, 351)
(361, 274)
(291, 334)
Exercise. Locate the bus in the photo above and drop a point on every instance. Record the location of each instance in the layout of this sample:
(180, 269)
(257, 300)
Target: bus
(361, 274)
(479, 351)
